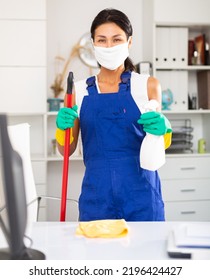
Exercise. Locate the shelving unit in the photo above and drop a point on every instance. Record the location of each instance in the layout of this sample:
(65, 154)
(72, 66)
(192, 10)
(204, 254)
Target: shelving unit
(47, 168)
(23, 76)
(172, 69)
(185, 176)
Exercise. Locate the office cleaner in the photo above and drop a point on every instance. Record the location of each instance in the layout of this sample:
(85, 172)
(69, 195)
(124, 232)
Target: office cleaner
(152, 152)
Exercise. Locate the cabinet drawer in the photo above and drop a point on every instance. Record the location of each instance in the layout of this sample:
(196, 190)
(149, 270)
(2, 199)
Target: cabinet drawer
(186, 189)
(192, 167)
(39, 170)
(188, 211)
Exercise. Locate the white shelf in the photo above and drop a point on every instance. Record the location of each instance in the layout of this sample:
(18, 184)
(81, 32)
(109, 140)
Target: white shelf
(25, 114)
(185, 155)
(54, 113)
(186, 112)
(192, 25)
(188, 68)
(37, 157)
(60, 158)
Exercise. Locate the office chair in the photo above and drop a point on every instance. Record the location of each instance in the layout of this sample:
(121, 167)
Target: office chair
(20, 139)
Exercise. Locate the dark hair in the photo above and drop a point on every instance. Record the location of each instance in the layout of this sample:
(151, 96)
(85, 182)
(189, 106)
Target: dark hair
(120, 19)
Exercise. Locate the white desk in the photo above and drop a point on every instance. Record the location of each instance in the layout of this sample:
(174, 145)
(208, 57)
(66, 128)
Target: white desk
(145, 240)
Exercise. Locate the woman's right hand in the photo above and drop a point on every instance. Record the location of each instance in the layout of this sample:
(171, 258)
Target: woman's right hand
(66, 117)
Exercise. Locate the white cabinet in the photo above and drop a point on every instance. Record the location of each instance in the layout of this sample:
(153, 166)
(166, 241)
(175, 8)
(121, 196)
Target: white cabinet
(23, 9)
(181, 11)
(187, 211)
(185, 176)
(23, 89)
(47, 165)
(19, 38)
(182, 79)
(186, 167)
(37, 148)
(186, 187)
(23, 56)
(23, 75)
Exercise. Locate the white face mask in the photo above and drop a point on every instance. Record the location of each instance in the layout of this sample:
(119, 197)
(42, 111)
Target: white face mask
(112, 58)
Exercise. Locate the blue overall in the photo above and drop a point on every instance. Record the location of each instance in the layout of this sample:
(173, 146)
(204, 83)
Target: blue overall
(114, 185)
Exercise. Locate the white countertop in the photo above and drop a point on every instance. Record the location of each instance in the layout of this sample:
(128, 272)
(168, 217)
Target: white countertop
(145, 240)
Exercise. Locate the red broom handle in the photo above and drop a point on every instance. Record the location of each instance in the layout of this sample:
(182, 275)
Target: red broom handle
(66, 152)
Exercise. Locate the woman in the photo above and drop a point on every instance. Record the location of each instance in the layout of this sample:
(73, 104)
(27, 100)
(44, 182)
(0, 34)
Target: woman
(113, 128)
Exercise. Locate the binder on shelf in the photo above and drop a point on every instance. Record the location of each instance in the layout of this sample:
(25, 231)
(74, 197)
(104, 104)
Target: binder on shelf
(200, 48)
(207, 54)
(191, 49)
(179, 46)
(203, 79)
(163, 47)
(171, 47)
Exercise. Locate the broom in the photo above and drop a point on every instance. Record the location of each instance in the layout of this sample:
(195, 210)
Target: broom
(66, 152)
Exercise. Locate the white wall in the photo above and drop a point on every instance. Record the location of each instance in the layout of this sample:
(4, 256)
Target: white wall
(68, 20)
(182, 11)
(23, 56)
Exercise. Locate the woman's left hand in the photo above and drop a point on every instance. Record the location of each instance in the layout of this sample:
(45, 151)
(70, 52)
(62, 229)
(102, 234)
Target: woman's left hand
(155, 123)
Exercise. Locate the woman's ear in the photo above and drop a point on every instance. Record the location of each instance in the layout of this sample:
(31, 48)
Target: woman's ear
(130, 41)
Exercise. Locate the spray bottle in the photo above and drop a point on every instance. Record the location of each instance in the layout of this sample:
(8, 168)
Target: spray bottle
(152, 153)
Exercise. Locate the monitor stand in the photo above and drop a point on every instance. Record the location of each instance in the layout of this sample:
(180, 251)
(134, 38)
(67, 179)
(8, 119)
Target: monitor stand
(29, 254)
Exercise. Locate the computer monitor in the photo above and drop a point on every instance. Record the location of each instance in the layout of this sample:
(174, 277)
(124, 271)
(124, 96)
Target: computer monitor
(13, 207)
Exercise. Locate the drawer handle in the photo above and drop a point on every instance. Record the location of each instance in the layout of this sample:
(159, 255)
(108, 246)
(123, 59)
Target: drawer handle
(188, 190)
(187, 212)
(188, 168)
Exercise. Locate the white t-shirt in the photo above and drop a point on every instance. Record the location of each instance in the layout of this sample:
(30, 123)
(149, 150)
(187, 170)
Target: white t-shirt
(138, 89)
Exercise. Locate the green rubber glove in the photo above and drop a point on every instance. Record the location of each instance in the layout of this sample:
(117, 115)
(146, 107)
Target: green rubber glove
(155, 123)
(66, 117)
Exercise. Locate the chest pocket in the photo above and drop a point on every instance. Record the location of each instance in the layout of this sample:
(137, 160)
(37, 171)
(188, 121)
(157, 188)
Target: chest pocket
(110, 122)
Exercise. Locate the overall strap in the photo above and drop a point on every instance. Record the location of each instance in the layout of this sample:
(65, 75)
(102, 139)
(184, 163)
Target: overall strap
(123, 86)
(125, 81)
(91, 86)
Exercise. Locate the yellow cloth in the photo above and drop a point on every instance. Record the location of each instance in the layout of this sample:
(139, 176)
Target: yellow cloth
(103, 229)
(167, 140)
(60, 136)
